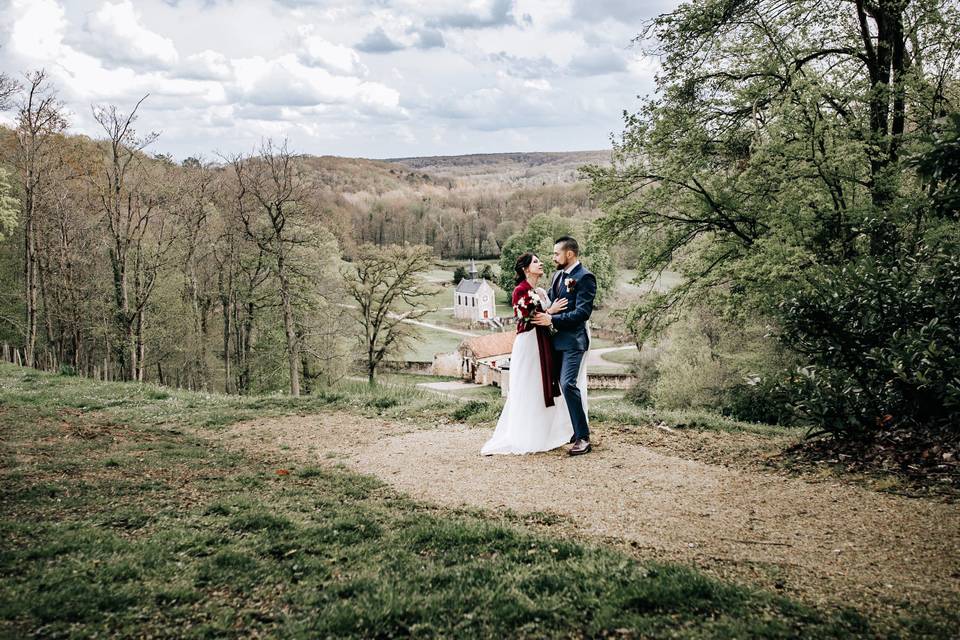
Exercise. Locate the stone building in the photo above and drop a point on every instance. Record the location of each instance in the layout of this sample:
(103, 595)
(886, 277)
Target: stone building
(483, 358)
(473, 298)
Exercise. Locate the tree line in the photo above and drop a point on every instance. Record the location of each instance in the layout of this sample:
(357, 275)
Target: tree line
(238, 273)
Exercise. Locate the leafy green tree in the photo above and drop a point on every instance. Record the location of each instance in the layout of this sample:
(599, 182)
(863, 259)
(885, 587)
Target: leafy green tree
(385, 285)
(9, 206)
(784, 170)
(459, 274)
(776, 142)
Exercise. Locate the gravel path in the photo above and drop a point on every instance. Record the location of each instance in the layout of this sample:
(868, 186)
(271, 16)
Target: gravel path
(824, 541)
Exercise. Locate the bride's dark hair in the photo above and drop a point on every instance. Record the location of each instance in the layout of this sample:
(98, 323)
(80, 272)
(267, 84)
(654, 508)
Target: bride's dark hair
(522, 263)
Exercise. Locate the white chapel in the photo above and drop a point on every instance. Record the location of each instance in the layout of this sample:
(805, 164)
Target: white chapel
(473, 299)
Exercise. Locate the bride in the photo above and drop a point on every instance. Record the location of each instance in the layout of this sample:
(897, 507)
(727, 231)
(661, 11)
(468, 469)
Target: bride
(535, 416)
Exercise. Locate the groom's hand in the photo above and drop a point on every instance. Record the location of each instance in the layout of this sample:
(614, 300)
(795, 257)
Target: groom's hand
(543, 319)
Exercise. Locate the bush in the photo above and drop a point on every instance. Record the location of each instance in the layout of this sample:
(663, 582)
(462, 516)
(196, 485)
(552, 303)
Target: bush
(882, 343)
(460, 273)
(645, 372)
(470, 409)
(759, 399)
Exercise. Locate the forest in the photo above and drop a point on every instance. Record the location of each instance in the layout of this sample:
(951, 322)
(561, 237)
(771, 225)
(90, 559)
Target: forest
(120, 263)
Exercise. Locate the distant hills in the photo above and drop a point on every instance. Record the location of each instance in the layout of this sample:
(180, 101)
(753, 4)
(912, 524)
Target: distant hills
(519, 169)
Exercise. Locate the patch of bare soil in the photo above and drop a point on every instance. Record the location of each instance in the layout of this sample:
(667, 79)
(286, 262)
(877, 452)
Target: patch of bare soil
(821, 540)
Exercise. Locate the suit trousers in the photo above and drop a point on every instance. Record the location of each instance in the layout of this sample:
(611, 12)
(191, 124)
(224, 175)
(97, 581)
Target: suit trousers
(570, 362)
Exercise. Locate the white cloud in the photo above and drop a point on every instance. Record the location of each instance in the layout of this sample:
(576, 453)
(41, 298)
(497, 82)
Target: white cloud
(434, 76)
(286, 81)
(206, 65)
(37, 28)
(318, 52)
(115, 32)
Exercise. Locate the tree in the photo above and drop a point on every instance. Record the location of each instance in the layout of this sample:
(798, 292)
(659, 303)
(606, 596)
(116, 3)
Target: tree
(8, 89)
(8, 205)
(274, 205)
(775, 170)
(776, 141)
(459, 273)
(131, 196)
(39, 120)
(199, 269)
(385, 283)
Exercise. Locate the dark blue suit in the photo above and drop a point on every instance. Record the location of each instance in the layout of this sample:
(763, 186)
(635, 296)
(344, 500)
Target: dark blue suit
(571, 340)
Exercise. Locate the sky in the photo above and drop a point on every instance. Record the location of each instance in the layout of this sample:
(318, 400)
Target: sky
(360, 78)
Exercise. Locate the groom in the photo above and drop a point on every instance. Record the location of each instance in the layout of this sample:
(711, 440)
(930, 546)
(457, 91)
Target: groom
(578, 286)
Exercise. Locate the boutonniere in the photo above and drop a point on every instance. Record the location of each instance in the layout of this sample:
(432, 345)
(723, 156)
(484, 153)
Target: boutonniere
(571, 284)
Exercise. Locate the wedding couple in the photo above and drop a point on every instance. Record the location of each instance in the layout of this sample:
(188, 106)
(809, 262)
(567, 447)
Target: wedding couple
(547, 402)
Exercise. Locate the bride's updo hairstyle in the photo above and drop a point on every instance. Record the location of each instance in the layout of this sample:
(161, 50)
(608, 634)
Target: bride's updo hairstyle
(522, 263)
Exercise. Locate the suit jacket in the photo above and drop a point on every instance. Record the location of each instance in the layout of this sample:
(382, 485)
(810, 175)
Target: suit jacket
(571, 323)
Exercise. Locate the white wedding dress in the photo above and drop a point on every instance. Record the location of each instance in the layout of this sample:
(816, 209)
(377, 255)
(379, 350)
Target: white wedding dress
(526, 423)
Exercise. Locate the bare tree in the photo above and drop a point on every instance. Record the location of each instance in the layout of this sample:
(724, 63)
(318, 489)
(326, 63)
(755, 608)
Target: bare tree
(141, 236)
(65, 264)
(39, 120)
(274, 204)
(385, 284)
(8, 89)
(198, 266)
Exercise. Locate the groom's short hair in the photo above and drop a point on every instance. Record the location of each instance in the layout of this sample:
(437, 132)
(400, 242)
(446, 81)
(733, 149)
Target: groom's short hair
(569, 244)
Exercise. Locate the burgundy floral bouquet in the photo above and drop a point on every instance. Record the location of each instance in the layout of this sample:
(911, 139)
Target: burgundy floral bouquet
(527, 305)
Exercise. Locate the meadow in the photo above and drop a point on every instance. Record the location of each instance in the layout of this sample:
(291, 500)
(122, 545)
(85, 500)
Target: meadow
(121, 516)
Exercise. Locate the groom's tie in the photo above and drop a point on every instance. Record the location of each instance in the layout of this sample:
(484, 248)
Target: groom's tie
(556, 281)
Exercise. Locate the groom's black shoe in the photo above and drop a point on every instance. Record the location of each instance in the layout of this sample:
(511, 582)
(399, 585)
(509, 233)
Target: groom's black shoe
(580, 447)
(573, 438)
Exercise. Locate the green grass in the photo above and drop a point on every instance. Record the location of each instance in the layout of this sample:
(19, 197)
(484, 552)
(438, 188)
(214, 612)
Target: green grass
(624, 356)
(431, 342)
(625, 413)
(118, 518)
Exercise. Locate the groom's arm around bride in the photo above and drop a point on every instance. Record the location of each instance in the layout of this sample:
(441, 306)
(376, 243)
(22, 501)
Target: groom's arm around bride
(577, 316)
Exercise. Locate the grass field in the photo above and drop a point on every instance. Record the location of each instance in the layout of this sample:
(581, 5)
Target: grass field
(430, 342)
(120, 518)
(624, 356)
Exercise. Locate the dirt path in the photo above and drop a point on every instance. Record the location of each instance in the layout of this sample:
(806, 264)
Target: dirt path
(822, 541)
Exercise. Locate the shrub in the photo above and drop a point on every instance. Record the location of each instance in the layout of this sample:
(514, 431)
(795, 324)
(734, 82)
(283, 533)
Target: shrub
(470, 409)
(646, 373)
(705, 356)
(759, 399)
(882, 343)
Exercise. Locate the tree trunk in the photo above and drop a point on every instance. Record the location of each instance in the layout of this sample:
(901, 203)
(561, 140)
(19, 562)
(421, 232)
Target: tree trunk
(141, 347)
(293, 345)
(225, 303)
(30, 275)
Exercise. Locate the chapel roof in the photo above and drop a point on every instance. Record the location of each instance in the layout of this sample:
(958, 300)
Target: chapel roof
(469, 286)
